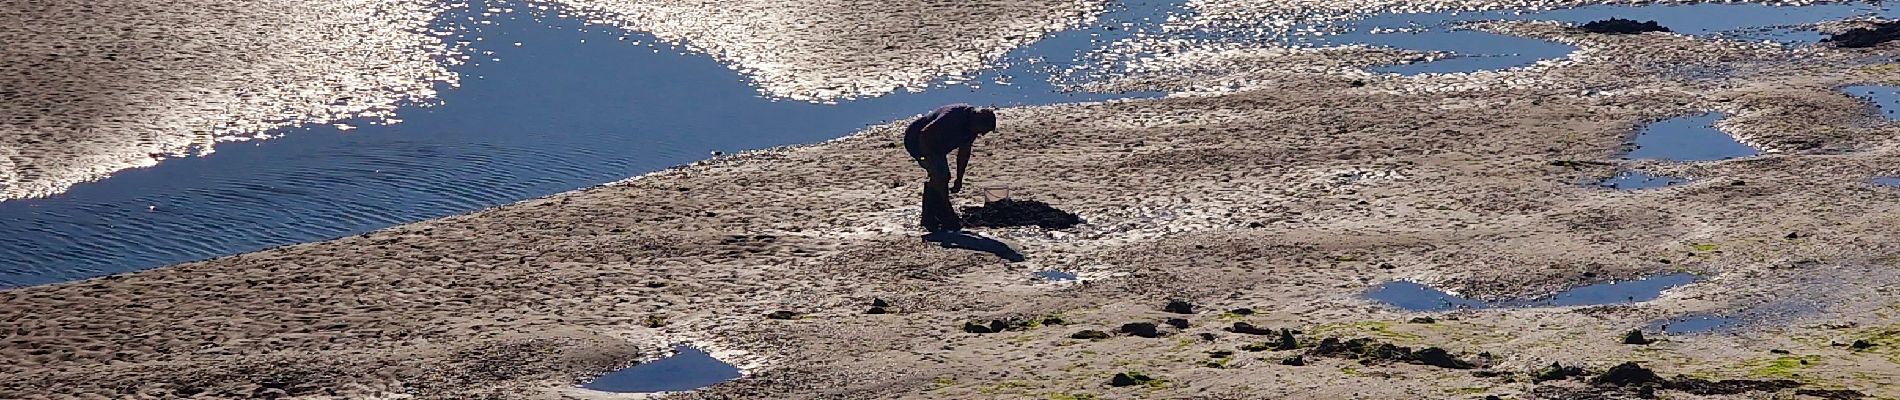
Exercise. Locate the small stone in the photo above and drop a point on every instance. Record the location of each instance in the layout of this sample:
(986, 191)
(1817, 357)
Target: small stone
(876, 302)
(1142, 329)
(1793, 235)
(1296, 360)
(1243, 311)
(1424, 320)
(1054, 321)
(1861, 344)
(1178, 323)
(1556, 372)
(876, 310)
(1249, 329)
(1179, 307)
(1778, 351)
(1220, 353)
(1635, 336)
(1089, 334)
(1126, 379)
(980, 328)
(1287, 341)
(782, 314)
(1208, 337)
(1438, 357)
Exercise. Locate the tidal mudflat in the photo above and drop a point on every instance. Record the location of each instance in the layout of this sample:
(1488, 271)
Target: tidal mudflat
(1234, 225)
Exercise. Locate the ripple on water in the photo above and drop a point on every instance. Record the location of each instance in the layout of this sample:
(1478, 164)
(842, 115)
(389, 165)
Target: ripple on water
(1411, 296)
(688, 368)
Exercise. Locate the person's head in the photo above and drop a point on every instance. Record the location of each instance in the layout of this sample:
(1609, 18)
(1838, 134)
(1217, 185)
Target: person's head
(984, 121)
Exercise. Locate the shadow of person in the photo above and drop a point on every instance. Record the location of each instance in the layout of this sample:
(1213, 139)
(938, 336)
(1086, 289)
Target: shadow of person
(972, 241)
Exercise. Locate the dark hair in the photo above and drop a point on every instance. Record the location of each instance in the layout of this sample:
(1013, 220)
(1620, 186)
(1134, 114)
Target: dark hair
(984, 121)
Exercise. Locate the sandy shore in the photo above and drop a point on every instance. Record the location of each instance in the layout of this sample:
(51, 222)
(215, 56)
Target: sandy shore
(1289, 195)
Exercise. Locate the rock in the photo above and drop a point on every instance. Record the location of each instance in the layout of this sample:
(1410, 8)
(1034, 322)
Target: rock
(1287, 341)
(1793, 235)
(979, 327)
(1424, 320)
(1556, 372)
(1866, 37)
(1623, 26)
(782, 314)
(1831, 394)
(269, 393)
(1178, 323)
(1220, 353)
(1129, 379)
(876, 302)
(1296, 360)
(1861, 344)
(1142, 329)
(1208, 337)
(1179, 307)
(1054, 321)
(1626, 374)
(1438, 357)
(1249, 329)
(875, 310)
(1089, 335)
(1778, 351)
(1243, 311)
(1011, 212)
(1635, 336)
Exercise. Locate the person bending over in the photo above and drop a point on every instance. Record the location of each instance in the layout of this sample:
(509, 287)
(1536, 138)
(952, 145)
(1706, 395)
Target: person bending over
(929, 140)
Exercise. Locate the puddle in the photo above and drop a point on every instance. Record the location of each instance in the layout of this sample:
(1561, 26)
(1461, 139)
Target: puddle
(1886, 99)
(1637, 180)
(1887, 181)
(688, 369)
(1695, 324)
(1411, 296)
(1055, 276)
(1691, 138)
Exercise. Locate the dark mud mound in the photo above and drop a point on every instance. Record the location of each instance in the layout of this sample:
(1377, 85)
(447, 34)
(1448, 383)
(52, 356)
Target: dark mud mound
(1866, 37)
(1623, 26)
(1011, 212)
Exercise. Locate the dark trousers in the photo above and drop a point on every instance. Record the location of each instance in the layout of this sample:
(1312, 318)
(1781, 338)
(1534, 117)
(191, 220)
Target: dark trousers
(939, 215)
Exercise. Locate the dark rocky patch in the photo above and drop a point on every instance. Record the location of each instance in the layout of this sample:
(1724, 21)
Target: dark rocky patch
(1369, 351)
(1249, 329)
(876, 310)
(993, 326)
(1727, 386)
(1220, 353)
(1832, 394)
(1424, 320)
(782, 314)
(1296, 360)
(1623, 26)
(1243, 311)
(1556, 372)
(1089, 335)
(1011, 212)
(1178, 323)
(877, 302)
(1287, 341)
(1861, 344)
(1626, 375)
(1866, 37)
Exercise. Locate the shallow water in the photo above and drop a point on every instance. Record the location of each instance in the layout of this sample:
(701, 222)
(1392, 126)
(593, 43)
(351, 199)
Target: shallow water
(1887, 181)
(1885, 99)
(1638, 180)
(1416, 297)
(1691, 138)
(689, 368)
(574, 106)
(570, 107)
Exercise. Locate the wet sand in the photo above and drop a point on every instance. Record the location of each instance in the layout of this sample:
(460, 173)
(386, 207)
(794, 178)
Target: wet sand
(1290, 192)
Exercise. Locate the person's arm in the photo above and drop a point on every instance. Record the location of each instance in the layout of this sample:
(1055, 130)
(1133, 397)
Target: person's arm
(963, 164)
